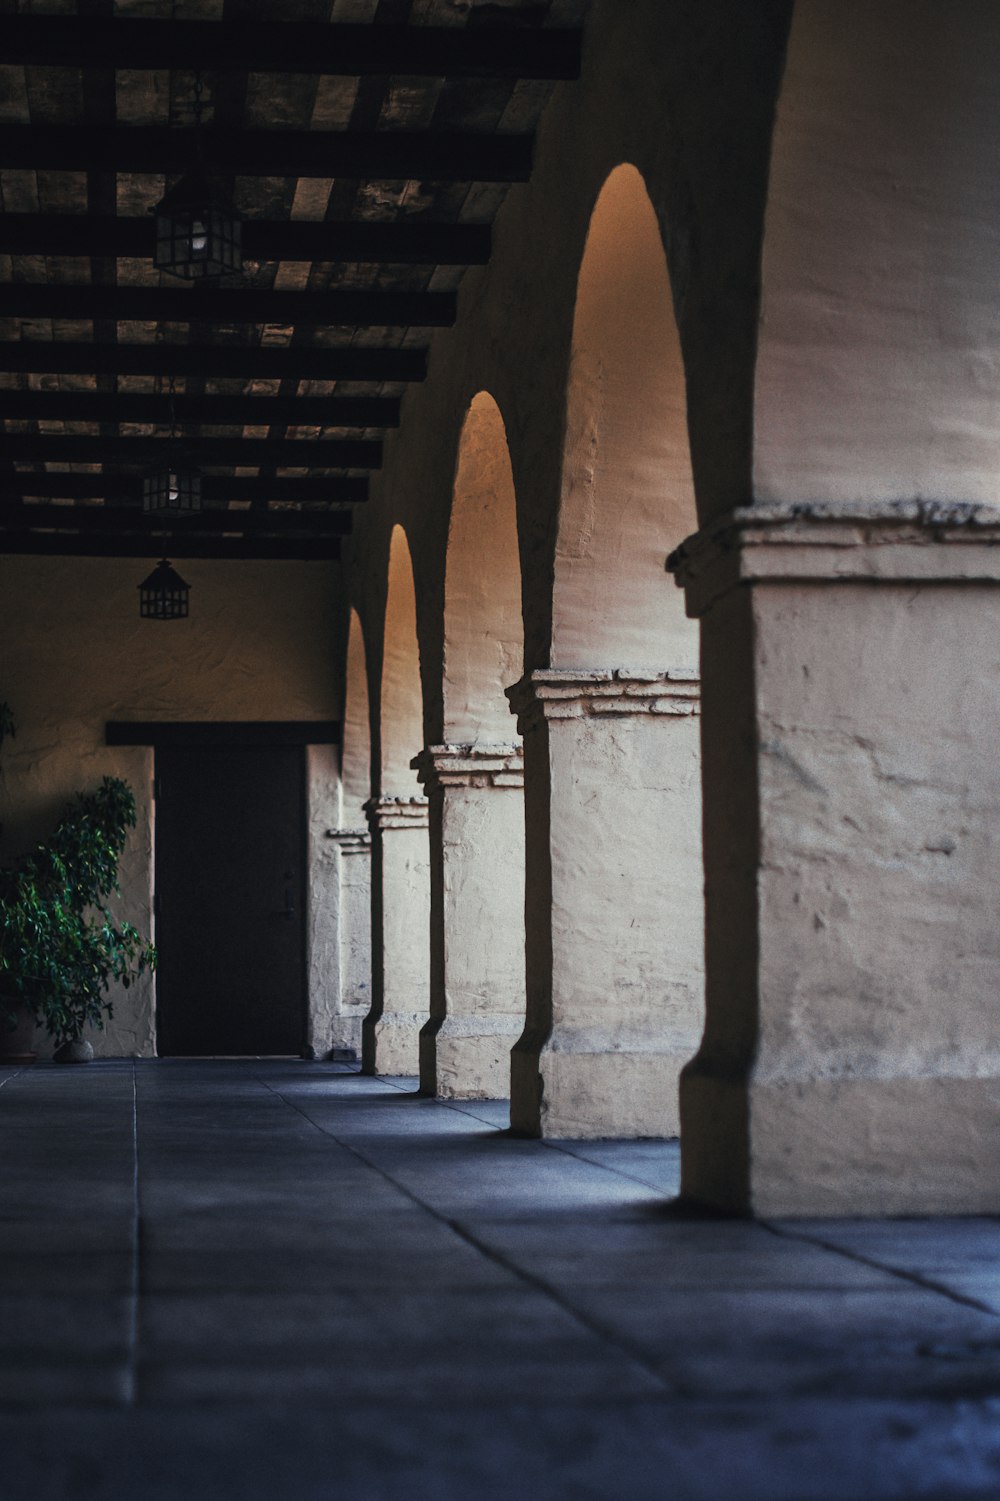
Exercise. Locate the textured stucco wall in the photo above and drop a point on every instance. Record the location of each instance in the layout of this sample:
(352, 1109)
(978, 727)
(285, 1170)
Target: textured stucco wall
(259, 644)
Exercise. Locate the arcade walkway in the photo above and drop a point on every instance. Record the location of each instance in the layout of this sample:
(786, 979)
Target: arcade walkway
(284, 1282)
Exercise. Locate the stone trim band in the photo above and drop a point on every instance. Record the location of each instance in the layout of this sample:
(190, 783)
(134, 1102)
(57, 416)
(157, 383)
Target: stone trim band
(440, 766)
(351, 841)
(396, 813)
(569, 693)
(892, 542)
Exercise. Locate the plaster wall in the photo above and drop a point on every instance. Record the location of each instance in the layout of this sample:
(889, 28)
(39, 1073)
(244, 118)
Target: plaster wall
(257, 645)
(880, 324)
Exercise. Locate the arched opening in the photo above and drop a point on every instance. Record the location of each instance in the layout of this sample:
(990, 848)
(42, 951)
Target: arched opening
(352, 844)
(619, 881)
(483, 630)
(398, 821)
(476, 782)
(628, 490)
(355, 752)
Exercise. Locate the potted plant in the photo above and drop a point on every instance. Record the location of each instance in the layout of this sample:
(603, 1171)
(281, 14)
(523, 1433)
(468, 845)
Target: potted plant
(60, 946)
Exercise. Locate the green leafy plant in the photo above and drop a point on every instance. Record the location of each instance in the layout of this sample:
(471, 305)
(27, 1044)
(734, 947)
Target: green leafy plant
(60, 945)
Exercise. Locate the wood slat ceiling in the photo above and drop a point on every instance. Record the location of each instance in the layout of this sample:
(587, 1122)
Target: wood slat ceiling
(368, 144)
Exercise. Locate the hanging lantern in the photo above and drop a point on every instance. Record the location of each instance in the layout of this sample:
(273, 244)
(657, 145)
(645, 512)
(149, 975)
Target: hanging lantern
(172, 490)
(198, 233)
(164, 594)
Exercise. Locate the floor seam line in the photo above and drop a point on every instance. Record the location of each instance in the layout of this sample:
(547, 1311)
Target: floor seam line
(132, 1386)
(658, 1188)
(593, 1327)
(926, 1284)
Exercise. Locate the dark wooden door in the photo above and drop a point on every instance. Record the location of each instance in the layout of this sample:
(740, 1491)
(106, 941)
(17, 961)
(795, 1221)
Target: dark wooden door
(230, 888)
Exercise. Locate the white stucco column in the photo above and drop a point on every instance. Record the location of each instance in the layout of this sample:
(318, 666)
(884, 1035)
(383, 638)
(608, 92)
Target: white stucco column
(851, 1060)
(354, 852)
(400, 908)
(476, 796)
(613, 909)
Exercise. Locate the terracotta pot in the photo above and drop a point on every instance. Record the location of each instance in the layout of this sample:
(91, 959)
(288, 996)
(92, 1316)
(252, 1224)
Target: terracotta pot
(15, 1044)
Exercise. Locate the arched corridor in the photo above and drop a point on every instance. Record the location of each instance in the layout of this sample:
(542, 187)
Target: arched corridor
(499, 803)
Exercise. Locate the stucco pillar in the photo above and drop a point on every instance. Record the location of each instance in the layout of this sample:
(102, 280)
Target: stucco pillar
(851, 670)
(613, 908)
(476, 797)
(354, 859)
(400, 935)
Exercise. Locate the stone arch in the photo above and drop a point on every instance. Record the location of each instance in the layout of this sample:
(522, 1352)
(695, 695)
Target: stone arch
(614, 923)
(397, 815)
(355, 749)
(475, 782)
(879, 326)
(401, 717)
(484, 633)
(627, 489)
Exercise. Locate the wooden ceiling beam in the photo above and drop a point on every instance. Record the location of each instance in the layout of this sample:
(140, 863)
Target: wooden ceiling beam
(218, 361)
(263, 240)
(259, 490)
(289, 453)
(313, 48)
(426, 156)
(65, 544)
(205, 304)
(212, 521)
(244, 411)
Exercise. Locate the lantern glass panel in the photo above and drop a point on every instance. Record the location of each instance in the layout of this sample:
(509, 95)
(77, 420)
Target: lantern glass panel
(164, 594)
(197, 234)
(171, 491)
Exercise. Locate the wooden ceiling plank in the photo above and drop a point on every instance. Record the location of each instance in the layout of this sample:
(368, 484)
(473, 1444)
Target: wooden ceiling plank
(424, 155)
(322, 453)
(234, 361)
(78, 406)
(183, 305)
(233, 549)
(307, 48)
(222, 488)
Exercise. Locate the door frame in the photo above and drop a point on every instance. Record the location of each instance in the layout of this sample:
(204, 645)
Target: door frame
(236, 735)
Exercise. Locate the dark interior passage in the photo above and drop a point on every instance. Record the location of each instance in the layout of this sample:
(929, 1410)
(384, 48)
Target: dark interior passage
(230, 897)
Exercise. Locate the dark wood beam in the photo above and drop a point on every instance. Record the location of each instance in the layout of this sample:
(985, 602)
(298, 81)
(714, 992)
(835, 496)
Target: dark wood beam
(316, 48)
(259, 490)
(291, 453)
(90, 520)
(263, 240)
(426, 156)
(218, 361)
(215, 305)
(66, 545)
(245, 411)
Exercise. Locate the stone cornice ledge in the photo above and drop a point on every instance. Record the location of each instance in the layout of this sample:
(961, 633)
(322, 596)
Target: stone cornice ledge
(441, 766)
(396, 813)
(351, 841)
(572, 693)
(896, 541)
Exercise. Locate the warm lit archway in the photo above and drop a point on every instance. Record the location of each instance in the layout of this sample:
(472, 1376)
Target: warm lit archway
(614, 910)
(398, 820)
(475, 781)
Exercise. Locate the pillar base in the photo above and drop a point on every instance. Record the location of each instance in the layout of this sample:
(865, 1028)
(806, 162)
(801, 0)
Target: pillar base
(596, 1094)
(847, 1147)
(468, 1057)
(391, 1043)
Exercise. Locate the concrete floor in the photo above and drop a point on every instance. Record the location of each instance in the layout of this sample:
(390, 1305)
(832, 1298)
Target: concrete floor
(284, 1282)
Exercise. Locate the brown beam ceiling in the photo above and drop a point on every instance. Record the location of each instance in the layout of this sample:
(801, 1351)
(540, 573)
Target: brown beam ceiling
(246, 46)
(211, 305)
(432, 156)
(291, 453)
(244, 411)
(263, 239)
(259, 490)
(219, 361)
(94, 520)
(65, 544)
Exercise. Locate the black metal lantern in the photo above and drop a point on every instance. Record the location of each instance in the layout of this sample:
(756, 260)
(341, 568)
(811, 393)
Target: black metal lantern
(164, 594)
(198, 233)
(172, 490)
